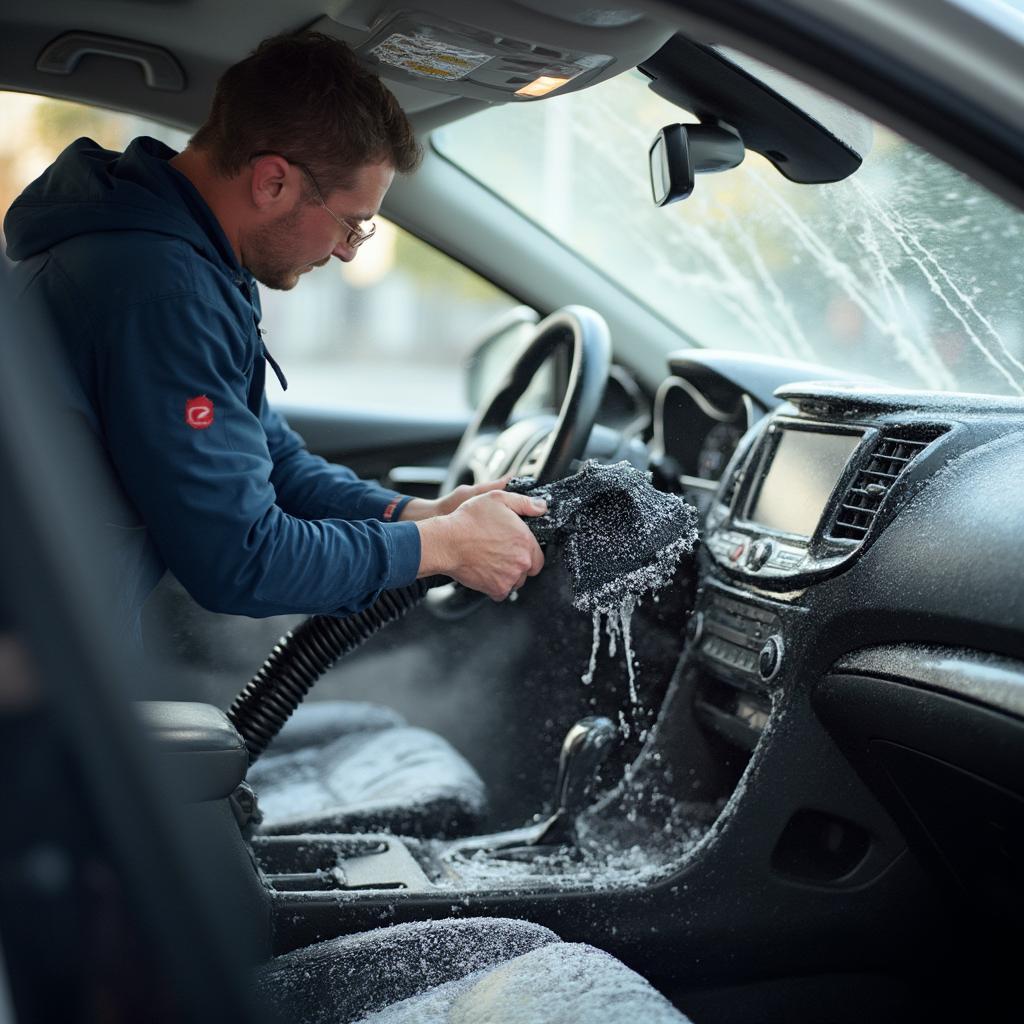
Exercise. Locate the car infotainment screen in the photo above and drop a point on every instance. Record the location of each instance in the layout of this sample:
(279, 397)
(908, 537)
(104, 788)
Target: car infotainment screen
(802, 475)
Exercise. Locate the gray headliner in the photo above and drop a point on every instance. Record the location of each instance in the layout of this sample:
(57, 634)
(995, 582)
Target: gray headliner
(935, 35)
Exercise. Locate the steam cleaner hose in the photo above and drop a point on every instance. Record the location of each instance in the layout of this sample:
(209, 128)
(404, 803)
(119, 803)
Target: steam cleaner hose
(623, 539)
(304, 654)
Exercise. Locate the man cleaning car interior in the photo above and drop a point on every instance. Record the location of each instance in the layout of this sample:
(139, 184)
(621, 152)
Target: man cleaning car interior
(147, 263)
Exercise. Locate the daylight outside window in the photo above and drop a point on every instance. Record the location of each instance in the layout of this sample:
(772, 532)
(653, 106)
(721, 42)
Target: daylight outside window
(908, 270)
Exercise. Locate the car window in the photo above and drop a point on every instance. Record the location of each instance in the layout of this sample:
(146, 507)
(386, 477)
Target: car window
(392, 329)
(907, 270)
(34, 129)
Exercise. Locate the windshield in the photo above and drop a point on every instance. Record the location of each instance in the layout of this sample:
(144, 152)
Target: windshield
(908, 271)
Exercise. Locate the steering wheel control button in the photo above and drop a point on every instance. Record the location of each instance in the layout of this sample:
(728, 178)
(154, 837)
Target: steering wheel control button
(769, 661)
(759, 553)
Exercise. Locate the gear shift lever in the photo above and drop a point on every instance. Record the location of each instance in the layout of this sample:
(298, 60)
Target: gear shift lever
(584, 749)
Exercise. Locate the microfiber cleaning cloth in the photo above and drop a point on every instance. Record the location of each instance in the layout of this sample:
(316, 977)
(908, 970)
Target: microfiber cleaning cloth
(623, 538)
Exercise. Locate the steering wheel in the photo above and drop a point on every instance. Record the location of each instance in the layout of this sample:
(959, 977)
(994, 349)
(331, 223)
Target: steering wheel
(539, 446)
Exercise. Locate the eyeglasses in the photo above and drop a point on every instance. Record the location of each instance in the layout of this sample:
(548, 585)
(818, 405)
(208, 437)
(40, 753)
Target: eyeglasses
(356, 234)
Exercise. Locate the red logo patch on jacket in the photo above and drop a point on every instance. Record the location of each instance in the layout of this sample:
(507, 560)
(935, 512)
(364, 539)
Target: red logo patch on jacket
(199, 412)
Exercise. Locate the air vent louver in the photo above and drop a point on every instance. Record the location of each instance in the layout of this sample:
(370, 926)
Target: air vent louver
(893, 453)
(735, 471)
(729, 491)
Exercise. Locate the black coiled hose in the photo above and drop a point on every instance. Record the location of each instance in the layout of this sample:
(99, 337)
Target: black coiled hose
(656, 532)
(303, 655)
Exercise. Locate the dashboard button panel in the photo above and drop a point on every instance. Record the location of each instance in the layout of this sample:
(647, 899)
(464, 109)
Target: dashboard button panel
(756, 554)
(733, 635)
(725, 544)
(786, 557)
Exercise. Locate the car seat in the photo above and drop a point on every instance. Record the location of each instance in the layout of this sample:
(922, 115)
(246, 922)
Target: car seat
(345, 766)
(472, 971)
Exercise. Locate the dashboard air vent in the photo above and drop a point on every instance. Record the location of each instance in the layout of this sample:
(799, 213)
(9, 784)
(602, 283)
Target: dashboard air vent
(892, 454)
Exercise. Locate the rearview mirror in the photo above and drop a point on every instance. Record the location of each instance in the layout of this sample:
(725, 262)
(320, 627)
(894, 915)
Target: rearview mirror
(680, 151)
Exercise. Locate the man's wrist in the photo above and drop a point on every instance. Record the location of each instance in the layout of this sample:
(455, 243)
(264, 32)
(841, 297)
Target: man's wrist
(416, 510)
(436, 546)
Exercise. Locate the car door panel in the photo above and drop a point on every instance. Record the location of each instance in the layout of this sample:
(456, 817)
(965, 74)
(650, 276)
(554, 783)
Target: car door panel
(372, 442)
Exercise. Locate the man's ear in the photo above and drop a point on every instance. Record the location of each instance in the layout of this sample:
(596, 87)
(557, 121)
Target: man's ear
(271, 182)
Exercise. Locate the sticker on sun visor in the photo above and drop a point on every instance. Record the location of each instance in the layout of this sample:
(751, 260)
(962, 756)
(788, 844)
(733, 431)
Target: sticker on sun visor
(432, 58)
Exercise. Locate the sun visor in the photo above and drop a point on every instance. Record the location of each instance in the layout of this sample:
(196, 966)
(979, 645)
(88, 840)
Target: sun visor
(809, 137)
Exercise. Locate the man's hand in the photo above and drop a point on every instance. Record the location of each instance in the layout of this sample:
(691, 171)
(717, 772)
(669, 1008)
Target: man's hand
(424, 508)
(483, 544)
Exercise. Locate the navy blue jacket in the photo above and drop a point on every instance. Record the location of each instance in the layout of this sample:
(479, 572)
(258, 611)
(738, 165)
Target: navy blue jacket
(160, 326)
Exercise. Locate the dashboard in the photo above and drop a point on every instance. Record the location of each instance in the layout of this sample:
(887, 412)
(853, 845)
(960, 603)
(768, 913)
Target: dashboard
(707, 404)
(837, 517)
(859, 580)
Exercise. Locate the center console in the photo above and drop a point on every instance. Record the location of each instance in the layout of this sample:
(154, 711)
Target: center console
(805, 494)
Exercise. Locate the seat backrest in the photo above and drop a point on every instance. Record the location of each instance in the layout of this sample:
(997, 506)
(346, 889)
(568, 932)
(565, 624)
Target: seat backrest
(134, 566)
(102, 896)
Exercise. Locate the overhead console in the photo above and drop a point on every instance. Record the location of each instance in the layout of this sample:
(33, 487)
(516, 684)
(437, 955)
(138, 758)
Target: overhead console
(818, 480)
(498, 51)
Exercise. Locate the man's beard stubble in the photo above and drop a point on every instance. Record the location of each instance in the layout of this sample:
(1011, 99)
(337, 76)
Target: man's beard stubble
(270, 253)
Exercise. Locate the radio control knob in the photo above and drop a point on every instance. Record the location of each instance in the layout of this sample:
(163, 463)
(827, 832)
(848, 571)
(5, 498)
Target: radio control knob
(759, 553)
(769, 660)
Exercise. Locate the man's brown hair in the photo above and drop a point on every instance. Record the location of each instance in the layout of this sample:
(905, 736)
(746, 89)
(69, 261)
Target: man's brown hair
(309, 99)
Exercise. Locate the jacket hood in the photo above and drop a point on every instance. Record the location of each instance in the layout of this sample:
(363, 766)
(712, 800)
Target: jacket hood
(89, 189)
